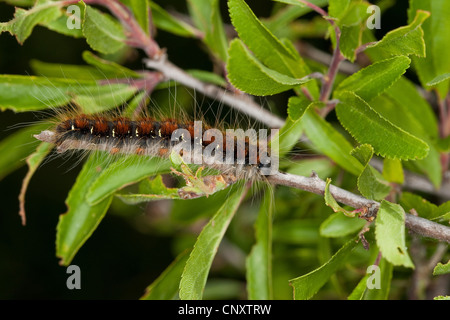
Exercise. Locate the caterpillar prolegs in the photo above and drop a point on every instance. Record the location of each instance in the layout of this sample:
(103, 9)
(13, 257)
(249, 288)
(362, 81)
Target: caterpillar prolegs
(236, 154)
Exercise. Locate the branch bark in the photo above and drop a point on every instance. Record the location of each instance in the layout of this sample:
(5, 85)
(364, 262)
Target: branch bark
(314, 184)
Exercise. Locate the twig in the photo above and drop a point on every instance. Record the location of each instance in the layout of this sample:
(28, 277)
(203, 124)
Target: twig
(421, 226)
(240, 102)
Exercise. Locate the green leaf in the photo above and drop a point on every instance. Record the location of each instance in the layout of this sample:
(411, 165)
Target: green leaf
(369, 82)
(329, 141)
(302, 5)
(402, 105)
(323, 167)
(125, 170)
(370, 182)
(439, 79)
(283, 20)
(306, 286)
(25, 20)
(369, 127)
(206, 17)
(259, 261)
(407, 40)
(165, 21)
(33, 161)
(190, 211)
(30, 93)
(102, 32)
(332, 203)
(273, 53)
(349, 17)
(66, 71)
(105, 98)
(339, 225)
(351, 38)
(71, 18)
(207, 76)
(390, 234)
(423, 207)
(441, 269)
(141, 11)
(17, 147)
(296, 231)
(291, 131)
(165, 287)
(436, 30)
(81, 219)
(393, 171)
(197, 267)
(415, 110)
(109, 68)
(248, 74)
(442, 298)
(384, 277)
(150, 190)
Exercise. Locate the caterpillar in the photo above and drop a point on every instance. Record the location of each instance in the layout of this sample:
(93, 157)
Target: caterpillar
(236, 154)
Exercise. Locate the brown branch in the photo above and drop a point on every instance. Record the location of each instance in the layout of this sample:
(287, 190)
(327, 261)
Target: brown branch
(316, 185)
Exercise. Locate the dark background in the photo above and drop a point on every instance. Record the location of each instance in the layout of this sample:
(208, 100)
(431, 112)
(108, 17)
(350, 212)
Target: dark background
(119, 260)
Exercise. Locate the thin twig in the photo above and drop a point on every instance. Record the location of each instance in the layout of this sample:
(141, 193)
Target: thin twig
(241, 102)
(138, 38)
(421, 226)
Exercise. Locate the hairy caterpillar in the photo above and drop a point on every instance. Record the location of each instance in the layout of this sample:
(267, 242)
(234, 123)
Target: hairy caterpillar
(236, 154)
